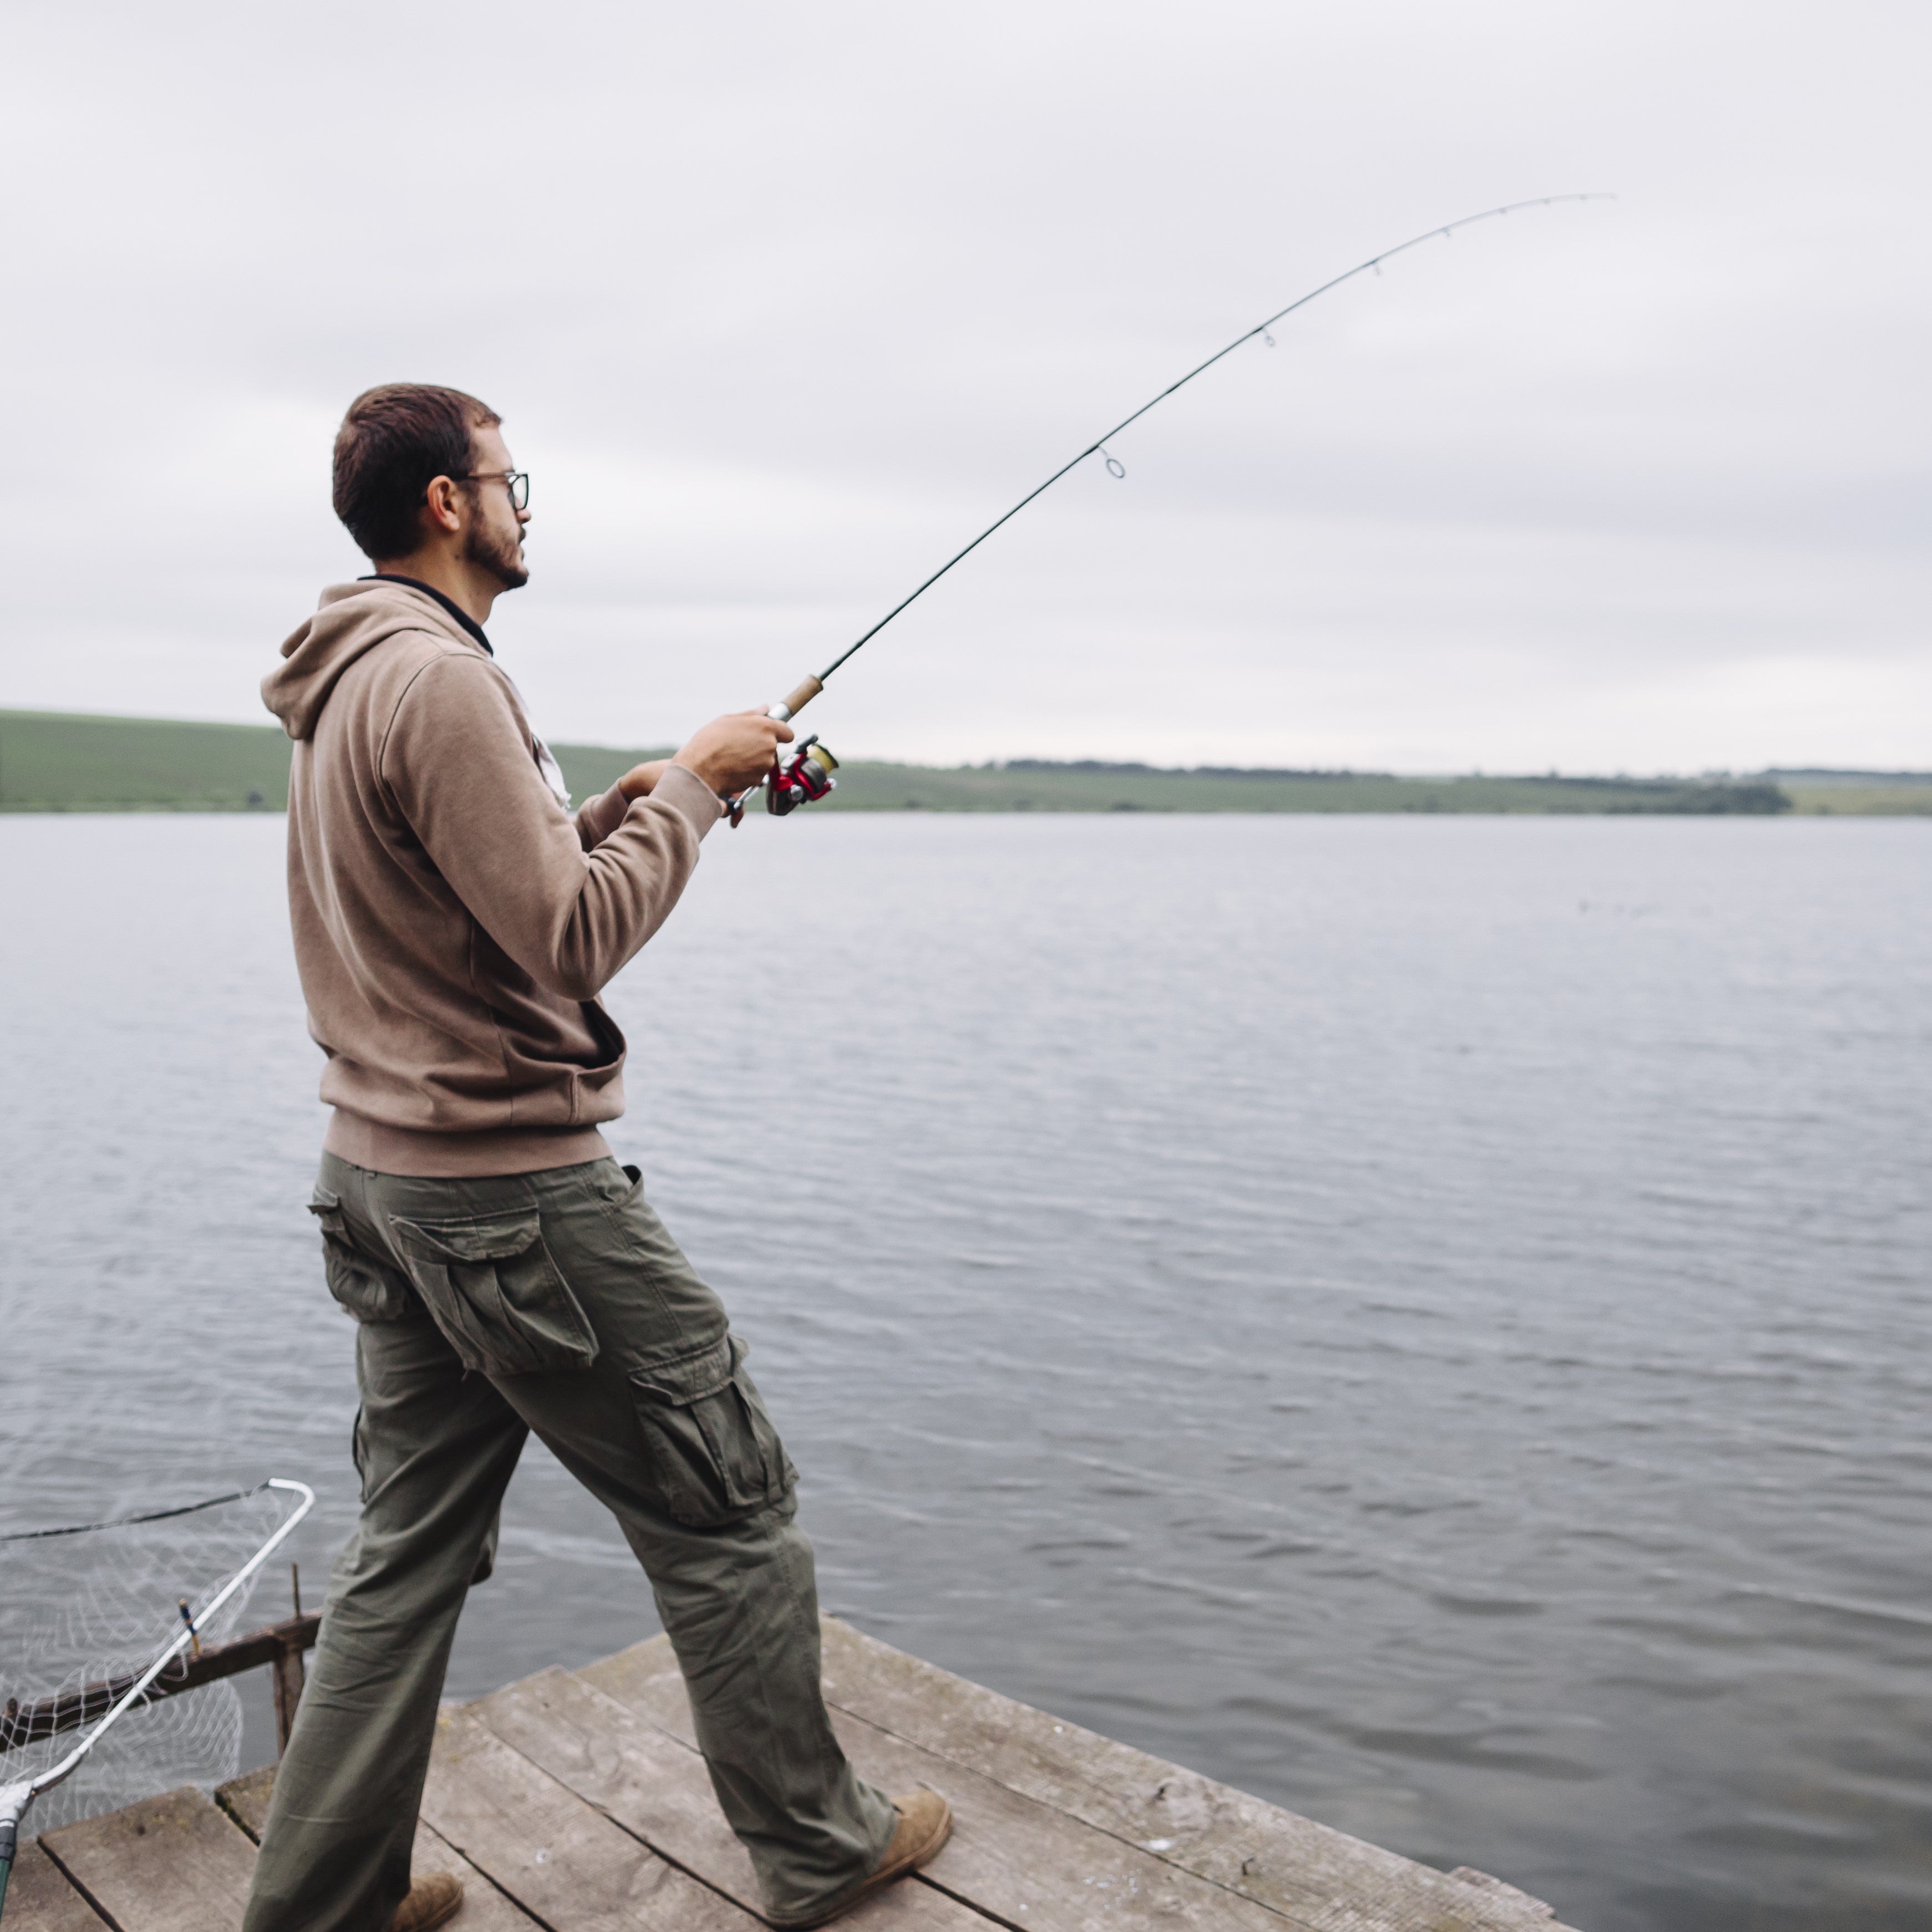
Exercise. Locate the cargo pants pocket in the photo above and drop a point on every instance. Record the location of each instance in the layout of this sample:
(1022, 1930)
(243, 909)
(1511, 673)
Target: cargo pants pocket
(369, 1289)
(714, 1452)
(495, 1292)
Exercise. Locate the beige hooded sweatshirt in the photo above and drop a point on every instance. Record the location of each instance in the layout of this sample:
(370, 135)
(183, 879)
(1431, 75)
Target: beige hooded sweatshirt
(454, 923)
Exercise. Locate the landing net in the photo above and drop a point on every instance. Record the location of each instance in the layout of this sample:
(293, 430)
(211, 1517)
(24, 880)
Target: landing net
(85, 1604)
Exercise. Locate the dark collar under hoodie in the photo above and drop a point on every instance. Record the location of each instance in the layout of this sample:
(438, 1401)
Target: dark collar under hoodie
(449, 604)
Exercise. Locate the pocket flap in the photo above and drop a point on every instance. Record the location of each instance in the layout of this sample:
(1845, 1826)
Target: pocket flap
(326, 1206)
(494, 1237)
(685, 1379)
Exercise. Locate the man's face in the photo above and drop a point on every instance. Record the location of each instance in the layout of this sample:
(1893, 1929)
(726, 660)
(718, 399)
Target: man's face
(493, 539)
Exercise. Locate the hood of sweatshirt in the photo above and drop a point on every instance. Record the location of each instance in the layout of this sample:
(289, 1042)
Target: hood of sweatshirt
(350, 621)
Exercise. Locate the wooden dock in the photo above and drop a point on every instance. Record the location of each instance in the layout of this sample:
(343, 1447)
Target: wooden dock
(575, 1801)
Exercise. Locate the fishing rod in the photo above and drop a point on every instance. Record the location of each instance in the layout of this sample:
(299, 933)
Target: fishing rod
(804, 772)
(15, 1799)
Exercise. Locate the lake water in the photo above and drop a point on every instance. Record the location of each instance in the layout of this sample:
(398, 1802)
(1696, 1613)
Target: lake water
(1422, 1319)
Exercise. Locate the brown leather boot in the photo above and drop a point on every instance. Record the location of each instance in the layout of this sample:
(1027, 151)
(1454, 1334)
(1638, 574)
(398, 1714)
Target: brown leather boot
(925, 1823)
(433, 1900)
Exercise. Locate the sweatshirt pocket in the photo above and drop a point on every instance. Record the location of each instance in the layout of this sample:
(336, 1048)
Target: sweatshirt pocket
(496, 1293)
(369, 1289)
(714, 1451)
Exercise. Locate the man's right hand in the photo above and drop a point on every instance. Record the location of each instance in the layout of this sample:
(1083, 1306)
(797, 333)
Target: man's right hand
(733, 752)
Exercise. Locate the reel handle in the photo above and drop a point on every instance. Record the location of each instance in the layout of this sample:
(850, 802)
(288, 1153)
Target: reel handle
(790, 706)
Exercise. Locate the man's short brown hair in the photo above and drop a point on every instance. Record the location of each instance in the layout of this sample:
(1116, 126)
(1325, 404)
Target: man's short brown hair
(395, 442)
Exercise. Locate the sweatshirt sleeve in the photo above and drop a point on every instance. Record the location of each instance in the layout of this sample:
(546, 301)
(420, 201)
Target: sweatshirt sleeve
(456, 761)
(598, 817)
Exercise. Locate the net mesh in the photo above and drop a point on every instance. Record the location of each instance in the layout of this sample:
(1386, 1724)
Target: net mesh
(83, 1605)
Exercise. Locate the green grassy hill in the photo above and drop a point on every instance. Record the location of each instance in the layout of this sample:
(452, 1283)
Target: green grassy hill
(1857, 794)
(56, 761)
(61, 761)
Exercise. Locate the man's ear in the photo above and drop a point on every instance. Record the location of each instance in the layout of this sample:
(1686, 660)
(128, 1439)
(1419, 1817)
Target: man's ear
(442, 507)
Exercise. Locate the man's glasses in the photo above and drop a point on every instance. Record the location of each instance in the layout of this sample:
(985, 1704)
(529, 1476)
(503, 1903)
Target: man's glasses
(518, 481)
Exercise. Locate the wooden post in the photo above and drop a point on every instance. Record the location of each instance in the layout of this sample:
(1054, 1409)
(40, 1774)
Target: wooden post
(289, 1674)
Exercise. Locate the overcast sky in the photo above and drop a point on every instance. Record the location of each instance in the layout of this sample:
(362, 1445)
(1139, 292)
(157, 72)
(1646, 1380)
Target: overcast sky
(781, 302)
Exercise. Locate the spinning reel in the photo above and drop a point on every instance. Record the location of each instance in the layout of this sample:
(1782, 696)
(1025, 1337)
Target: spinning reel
(800, 776)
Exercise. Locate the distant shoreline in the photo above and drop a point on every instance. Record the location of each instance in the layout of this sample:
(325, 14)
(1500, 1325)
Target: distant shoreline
(69, 762)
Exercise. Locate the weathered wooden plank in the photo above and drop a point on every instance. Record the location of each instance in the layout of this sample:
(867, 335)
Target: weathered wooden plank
(1330, 1881)
(171, 1864)
(645, 1678)
(245, 1799)
(484, 1908)
(1539, 1908)
(40, 1899)
(656, 1786)
(1015, 1858)
(1012, 1857)
(563, 1862)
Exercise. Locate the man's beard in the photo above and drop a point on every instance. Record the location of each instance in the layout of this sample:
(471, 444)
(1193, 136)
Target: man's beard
(500, 555)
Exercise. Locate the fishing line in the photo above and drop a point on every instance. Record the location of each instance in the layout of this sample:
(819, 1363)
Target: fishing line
(152, 1515)
(810, 785)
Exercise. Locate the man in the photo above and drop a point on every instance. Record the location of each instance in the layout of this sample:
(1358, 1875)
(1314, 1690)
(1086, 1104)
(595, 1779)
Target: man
(454, 925)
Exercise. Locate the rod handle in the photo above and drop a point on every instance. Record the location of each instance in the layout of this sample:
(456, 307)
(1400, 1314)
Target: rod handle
(791, 706)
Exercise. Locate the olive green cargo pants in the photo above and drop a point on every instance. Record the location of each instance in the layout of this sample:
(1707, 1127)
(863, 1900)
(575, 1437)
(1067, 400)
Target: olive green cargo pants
(554, 1302)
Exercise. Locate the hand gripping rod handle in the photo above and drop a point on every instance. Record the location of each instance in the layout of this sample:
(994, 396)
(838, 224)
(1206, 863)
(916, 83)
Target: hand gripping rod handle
(787, 708)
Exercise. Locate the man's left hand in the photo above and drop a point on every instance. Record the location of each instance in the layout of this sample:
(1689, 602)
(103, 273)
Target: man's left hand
(639, 781)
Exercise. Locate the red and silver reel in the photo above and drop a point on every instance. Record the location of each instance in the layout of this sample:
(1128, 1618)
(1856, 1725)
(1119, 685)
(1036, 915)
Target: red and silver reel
(800, 776)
